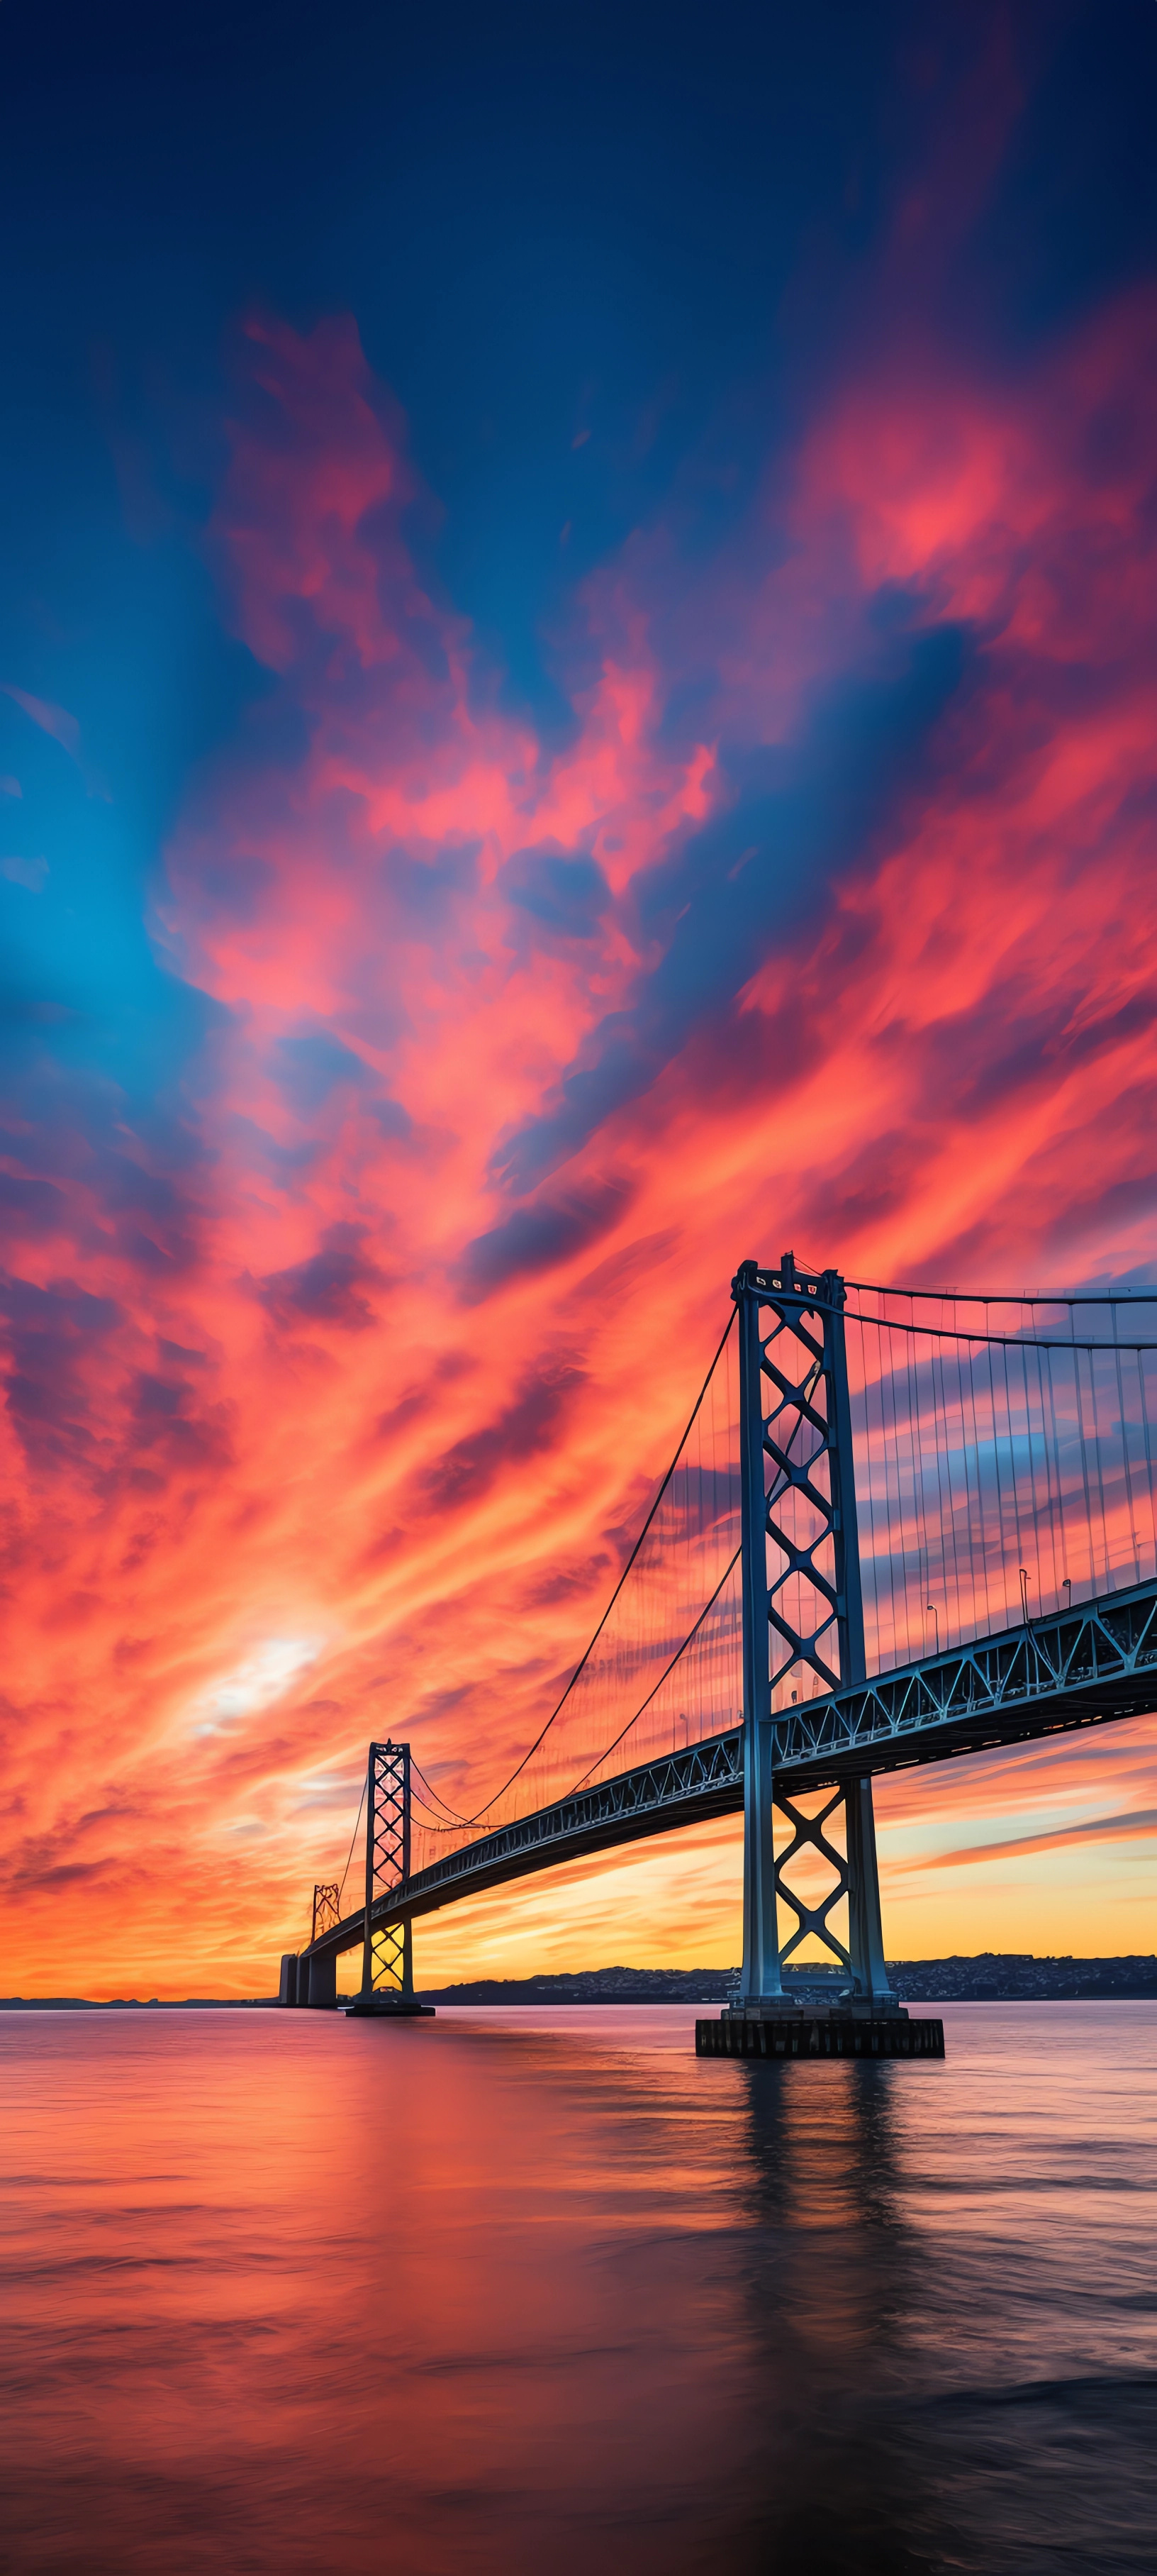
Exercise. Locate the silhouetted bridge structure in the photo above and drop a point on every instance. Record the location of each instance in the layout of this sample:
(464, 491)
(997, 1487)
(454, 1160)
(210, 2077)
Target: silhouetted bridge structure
(825, 1506)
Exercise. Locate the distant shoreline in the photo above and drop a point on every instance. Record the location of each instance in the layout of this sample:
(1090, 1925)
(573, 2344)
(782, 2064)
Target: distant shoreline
(989, 1977)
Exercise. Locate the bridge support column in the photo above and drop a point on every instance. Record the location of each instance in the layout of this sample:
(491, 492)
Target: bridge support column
(387, 1988)
(287, 1991)
(320, 1983)
(761, 1961)
(761, 1974)
(857, 1965)
(865, 1925)
(802, 1623)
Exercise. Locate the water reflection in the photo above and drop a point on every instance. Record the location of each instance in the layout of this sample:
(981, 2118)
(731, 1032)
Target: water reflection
(514, 2290)
(832, 2275)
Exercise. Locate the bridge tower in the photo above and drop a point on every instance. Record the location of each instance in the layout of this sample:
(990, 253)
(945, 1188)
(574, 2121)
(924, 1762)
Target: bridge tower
(387, 1986)
(803, 1632)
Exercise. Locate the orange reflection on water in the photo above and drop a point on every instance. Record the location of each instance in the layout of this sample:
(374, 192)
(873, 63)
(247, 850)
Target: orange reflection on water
(511, 2288)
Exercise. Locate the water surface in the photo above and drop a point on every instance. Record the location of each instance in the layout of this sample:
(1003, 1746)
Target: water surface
(524, 2290)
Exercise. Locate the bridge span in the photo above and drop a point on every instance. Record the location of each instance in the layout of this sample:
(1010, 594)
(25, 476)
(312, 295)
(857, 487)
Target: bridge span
(1054, 1676)
(854, 1494)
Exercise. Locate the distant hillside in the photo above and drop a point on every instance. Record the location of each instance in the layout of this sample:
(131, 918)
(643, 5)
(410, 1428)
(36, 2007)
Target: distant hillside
(994, 1976)
(596, 1986)
(134, 2003)
(1015, 1976)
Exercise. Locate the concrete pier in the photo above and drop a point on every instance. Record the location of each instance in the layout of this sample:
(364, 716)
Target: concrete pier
(388, 2008)
(317, 1982)
(818, 2034)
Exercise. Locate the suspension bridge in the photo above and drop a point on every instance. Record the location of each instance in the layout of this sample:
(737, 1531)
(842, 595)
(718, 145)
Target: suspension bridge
(901, 1526)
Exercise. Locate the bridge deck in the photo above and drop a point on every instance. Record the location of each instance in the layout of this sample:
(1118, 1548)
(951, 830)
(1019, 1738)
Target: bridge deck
(1080, 1668)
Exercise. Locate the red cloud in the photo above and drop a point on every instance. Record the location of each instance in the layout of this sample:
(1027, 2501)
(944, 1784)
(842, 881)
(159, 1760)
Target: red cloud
(322, 1433)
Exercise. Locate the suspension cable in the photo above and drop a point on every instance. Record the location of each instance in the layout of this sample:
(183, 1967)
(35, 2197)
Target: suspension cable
(1005, 1341)
(353, 1839)
(992, 1297)
(584, 1659)
(436, 1794)
(645, 1704)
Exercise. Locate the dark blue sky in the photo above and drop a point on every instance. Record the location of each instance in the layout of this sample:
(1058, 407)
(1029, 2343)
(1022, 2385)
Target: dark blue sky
(605, 260)
(654, 227)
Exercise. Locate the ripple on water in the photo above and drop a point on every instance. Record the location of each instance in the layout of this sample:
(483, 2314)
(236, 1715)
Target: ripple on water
(517, 2289)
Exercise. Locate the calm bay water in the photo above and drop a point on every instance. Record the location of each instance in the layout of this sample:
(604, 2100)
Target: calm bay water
(524, 2290)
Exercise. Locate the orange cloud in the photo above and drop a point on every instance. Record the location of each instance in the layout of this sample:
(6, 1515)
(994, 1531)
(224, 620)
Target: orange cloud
(339, 1417)
(1099, 1830)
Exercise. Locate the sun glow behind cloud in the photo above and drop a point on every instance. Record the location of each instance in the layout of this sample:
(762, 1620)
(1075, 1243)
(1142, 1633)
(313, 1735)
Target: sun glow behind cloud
(342, 1366)
(262, 1678)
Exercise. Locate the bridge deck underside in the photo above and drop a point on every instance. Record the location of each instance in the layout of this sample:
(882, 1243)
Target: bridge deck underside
(1092, 1665)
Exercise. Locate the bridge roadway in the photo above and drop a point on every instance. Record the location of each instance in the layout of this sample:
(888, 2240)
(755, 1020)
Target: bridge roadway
(1081, 1667)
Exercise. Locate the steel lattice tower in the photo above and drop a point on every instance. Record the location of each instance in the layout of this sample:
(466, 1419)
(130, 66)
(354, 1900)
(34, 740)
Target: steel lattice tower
(387, 1950)
(802, 1616)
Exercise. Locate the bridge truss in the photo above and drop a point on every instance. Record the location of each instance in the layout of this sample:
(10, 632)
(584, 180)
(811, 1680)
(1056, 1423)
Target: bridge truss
(946, 1488)
(1083, 1669)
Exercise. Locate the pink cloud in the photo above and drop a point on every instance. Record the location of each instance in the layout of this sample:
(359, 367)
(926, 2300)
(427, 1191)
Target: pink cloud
(369, 1423)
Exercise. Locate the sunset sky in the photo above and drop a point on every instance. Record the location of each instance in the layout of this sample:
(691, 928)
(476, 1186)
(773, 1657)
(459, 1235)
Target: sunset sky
(578, 701)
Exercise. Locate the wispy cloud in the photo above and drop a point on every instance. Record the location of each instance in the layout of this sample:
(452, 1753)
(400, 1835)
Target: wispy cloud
(1097, 1829)
(366, 1315)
